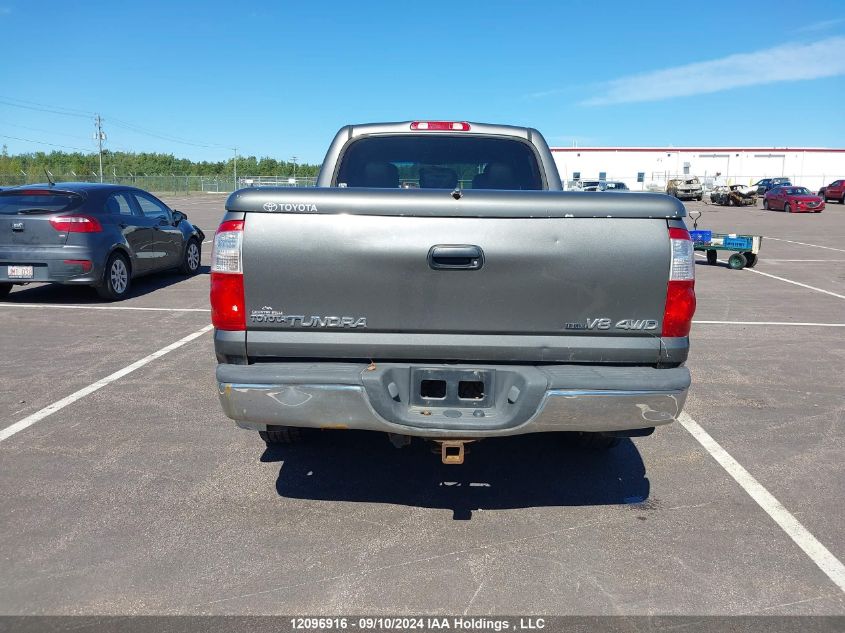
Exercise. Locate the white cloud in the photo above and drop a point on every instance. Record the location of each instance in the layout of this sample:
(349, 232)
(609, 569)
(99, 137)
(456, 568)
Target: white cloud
(789, 62)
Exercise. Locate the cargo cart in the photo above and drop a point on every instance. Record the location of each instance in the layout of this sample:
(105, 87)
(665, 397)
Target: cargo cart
(743, 248)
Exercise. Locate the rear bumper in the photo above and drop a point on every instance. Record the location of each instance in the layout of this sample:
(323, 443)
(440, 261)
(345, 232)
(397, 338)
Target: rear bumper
(48, 264)
(521, 399)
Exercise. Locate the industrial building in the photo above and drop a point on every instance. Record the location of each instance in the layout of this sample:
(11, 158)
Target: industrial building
(648, 168)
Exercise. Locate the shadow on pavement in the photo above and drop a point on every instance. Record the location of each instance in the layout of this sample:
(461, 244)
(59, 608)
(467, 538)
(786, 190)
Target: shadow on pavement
(499, 473)
(58, 293)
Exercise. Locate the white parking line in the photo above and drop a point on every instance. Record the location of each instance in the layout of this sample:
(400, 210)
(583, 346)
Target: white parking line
(76, 306)
(768, 323)
(796, 283)
(789, 281)
(826, 261)
(829, 248)
(818, 553)
(28, 421)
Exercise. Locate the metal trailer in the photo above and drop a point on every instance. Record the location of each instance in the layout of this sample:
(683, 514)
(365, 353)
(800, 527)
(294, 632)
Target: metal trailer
(743, 248)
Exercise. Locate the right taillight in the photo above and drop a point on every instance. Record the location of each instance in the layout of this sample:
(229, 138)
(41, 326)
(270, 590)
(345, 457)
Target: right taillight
(227, 279)
(680, 291)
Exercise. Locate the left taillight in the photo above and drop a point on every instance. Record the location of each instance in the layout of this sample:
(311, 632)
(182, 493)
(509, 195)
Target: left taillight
(227, 279)
(76, 224)
(680, 290)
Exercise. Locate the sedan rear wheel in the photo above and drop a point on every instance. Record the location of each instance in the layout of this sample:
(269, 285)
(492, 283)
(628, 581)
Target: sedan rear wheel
(765, 203)
(191, 259)
(787, 208)
(116, 280)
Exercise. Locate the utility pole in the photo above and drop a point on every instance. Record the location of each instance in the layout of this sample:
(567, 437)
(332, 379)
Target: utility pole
(235, 186)
(294, 159)
(100, 136)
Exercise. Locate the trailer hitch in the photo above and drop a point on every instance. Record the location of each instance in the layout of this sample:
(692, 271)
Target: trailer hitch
(452, 451)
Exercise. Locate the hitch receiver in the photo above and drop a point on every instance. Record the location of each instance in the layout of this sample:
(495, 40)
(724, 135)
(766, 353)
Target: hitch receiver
(452, 451)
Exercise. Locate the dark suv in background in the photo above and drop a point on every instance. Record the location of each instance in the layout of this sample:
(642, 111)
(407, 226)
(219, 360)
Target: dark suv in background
(770, 183)
(91, 234)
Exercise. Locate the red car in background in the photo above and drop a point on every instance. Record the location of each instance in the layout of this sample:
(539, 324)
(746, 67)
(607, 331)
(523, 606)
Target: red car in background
(834, 191)
(793, 200)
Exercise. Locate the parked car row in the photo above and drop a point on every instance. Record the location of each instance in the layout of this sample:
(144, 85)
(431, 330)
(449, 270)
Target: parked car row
(779, 194)
(91, 234)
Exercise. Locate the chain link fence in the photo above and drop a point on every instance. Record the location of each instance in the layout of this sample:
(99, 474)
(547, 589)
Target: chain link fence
(166, 184)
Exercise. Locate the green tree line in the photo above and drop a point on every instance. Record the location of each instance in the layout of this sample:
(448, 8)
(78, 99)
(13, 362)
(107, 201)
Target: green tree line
(143, 163)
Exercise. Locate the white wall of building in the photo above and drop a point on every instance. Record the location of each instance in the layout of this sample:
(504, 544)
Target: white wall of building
(808, 167)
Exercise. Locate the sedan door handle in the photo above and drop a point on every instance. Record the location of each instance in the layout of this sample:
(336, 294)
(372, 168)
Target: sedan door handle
(455, 257)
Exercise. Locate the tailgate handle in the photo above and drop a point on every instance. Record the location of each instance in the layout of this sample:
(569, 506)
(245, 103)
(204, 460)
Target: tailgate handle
(455, 257)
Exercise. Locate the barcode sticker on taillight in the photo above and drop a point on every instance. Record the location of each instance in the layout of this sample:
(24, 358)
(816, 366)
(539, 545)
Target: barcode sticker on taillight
(226, 252)
(683, 260)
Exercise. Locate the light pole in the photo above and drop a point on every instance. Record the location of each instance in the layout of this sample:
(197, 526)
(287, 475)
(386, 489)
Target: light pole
(99, 136)
(294, 159)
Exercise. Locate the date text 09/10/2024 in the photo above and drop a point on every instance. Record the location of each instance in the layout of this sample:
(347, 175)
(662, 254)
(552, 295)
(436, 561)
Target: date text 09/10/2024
(460, 623)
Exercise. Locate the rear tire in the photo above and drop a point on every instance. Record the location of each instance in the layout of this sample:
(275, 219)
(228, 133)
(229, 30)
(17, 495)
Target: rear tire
(750, 260)
(5, 289)
(737, 261)
(191, 258)
(787, 208)
(282, 435)
(116, 279)
(712, 256)
(592, 441)
(765, 204)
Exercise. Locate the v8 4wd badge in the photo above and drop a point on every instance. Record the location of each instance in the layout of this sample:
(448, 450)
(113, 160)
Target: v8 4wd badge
(607, 324)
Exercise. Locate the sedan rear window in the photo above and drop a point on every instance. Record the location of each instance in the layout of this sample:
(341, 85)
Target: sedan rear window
(439, 162)
(37, 201)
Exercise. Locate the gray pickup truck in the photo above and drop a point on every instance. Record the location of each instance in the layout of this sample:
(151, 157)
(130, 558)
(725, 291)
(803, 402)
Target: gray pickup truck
(439, 283)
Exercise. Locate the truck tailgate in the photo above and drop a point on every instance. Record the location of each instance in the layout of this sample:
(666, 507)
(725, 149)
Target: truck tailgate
(332, 277)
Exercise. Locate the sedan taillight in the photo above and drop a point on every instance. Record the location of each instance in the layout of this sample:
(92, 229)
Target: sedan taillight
(76, 224)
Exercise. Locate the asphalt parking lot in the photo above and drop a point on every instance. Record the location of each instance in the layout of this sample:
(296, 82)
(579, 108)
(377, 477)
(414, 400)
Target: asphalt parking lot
(140, 497)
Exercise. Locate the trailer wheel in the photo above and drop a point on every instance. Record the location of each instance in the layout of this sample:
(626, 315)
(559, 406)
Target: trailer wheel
(711, 257)
(737, 261)
(750, 260)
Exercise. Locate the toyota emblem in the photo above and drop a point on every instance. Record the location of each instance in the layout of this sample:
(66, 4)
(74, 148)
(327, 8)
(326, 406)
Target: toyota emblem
(270, 206)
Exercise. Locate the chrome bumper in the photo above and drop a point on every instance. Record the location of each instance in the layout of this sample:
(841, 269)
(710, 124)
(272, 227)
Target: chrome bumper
(572, 399)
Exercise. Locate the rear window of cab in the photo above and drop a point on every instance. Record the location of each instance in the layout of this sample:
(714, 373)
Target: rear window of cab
(439, 162)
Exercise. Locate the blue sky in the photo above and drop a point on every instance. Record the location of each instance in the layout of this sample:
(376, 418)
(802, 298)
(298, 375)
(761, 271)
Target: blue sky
(279, 78)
